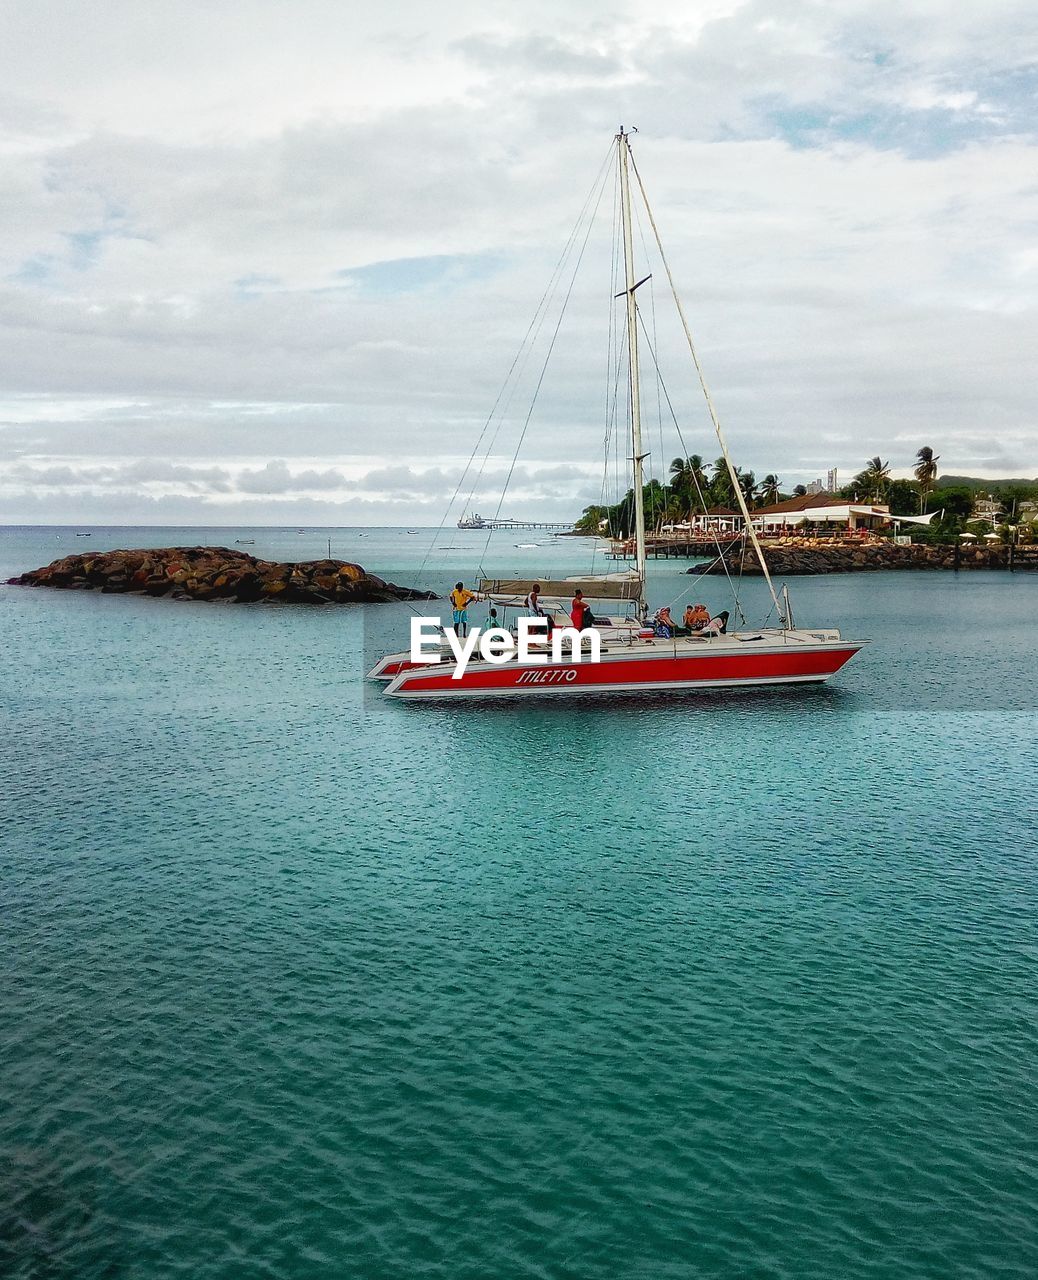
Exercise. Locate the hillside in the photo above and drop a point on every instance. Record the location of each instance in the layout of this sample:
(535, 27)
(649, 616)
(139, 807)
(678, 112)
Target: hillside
(983, 485)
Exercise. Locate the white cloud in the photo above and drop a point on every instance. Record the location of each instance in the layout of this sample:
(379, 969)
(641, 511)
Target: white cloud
(288, 249)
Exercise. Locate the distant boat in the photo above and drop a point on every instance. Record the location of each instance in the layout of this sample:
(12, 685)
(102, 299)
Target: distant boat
(245, 542)
(82, 535)
(527, 546)
(412, 531)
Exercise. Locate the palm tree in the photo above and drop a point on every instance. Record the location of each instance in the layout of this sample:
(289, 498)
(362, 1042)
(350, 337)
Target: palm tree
(688, 479)
(654, 503)
(679, 475)
(721, 483)
(926, 472)
(748, 485)
(872, 481)
(675, 509)
(698, 472)
(769, 489)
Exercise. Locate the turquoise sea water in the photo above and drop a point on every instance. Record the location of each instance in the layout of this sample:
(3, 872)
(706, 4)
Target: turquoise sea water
(298, 983)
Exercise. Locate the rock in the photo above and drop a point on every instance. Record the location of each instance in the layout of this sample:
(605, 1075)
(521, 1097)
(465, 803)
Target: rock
(793, 558)
(217, 573)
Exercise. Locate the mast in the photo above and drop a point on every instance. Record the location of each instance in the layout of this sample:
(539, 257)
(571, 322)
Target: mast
(623, 148)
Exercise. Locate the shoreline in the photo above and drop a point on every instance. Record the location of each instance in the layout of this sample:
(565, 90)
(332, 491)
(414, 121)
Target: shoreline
(801, 559)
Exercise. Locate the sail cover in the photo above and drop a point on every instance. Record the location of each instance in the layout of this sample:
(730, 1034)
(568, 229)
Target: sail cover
(513, 591)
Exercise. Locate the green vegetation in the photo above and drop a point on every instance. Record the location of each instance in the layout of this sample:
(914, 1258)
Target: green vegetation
(870, 484)
(902, 497)
(997, 487)
(926, 471)
(694, 486)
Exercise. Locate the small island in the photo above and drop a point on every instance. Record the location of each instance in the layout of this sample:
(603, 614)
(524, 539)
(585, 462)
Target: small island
(217, 573)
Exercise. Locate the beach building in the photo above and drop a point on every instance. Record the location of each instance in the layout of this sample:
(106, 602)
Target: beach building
(989, 509)
(710, 524)
(718, 520)
(817, 514)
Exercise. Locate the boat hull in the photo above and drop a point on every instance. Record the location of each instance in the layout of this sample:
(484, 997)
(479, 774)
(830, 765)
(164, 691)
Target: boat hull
(393, 663)
(726, 662)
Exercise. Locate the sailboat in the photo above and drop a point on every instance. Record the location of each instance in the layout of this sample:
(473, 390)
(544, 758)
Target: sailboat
(634, 657)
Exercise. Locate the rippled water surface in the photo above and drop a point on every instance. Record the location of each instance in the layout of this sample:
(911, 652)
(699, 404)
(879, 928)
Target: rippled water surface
(298, 984)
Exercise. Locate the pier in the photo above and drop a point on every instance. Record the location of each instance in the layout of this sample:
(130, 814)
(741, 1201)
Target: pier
(477, 522)
(1023, 556)
(673, 548)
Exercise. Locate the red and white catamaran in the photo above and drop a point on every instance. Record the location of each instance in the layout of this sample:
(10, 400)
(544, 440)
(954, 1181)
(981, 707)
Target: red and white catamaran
(633, 658)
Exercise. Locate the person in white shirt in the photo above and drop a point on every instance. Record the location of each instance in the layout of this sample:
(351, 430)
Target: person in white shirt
(533, 603)
(717, 626)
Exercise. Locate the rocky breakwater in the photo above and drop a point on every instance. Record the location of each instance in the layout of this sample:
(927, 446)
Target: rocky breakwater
(217, 573)
(793, 558)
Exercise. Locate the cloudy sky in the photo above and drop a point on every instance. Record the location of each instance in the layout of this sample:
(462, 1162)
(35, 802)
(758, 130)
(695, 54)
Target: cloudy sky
(270, 263)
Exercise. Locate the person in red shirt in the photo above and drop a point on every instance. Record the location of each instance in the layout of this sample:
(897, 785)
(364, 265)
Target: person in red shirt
(577, 610)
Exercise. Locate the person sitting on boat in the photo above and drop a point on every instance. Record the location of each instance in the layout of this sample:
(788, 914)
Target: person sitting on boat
(717, 626)
(696, 617)
(460, 599)
(663, 624)
(533, 603)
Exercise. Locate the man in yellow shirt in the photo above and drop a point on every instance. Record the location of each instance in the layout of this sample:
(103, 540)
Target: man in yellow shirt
(460, 600)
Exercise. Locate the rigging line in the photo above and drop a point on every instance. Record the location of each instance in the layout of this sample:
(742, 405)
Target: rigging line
(612, 437)
(617, 526)
(695, 478)
(544, 366)
(622, 352)
(620, 340)
(750, 532)
(542, 313)
(534, 329)
(659, 404)
(697, 578)
(600, 184)
(616, 436)
(609, 406)
(483, 431)
(542, 304)
(664, 486)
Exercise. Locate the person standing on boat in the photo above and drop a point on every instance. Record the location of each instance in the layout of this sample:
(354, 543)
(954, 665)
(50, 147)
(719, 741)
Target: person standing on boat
(533, 603)
(460, 600)
(578, 610)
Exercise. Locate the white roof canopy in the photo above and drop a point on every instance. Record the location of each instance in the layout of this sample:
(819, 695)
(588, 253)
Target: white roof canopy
(914, 519)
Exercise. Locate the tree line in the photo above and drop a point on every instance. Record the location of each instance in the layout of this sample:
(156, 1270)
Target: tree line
(694, 486)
